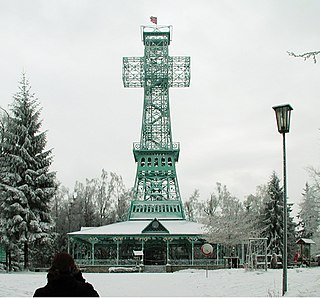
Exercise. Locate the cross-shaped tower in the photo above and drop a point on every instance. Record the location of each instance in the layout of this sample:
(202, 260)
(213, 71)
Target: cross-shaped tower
(156, 190)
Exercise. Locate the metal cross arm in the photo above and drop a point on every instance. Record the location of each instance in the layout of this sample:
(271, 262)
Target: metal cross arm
(176, 70)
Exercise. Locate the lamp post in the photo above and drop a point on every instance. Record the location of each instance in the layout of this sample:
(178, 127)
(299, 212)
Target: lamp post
(283, 113)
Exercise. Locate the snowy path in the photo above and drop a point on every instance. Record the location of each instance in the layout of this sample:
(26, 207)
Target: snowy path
(230, 282)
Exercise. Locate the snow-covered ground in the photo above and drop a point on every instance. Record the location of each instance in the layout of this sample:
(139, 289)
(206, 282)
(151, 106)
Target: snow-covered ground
(228, 282)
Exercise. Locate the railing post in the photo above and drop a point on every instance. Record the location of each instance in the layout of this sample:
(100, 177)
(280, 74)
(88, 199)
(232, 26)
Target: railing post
(93, 241)
(142, 248)
(192, 251)
(118, 251)
(217, 254)
(168, 260)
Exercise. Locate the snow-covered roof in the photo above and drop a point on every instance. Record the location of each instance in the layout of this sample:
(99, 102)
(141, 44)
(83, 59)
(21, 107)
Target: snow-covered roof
(174, 227)
(305, 240)
(86, 228)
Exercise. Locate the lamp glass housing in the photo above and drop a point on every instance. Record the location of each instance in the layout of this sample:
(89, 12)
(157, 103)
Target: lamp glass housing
(283, 114)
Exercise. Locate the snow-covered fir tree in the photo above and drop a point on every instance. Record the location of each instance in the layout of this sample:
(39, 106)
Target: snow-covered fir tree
(26, 183)
(272, 215)
(309, 215)
(291, 234)
(272, 219)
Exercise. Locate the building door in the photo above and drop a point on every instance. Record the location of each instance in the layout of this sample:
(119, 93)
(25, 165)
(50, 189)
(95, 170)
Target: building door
(155, 253)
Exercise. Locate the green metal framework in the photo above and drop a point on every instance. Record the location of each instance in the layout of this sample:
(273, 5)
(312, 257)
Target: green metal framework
(156, 189)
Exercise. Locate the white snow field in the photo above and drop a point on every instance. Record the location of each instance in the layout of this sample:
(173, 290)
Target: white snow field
(302, 282)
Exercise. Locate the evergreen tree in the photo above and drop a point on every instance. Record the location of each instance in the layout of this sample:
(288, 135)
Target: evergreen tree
(272, 219)
(272, 216)
(26, 184)
(4, 121)
(309, 215)
(291, 234)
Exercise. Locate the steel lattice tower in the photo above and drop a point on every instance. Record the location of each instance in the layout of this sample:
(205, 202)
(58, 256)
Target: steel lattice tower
(156, 189)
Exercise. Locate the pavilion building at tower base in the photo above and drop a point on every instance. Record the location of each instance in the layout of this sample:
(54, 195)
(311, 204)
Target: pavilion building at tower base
(156, 242)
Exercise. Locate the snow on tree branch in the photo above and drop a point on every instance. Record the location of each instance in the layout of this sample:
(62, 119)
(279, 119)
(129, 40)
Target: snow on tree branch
(306, 56)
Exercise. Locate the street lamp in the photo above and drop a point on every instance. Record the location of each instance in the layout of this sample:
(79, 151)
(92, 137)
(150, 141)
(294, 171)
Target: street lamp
(283, 113)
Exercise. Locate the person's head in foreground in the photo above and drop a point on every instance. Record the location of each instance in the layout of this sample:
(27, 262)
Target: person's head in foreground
(65, 280)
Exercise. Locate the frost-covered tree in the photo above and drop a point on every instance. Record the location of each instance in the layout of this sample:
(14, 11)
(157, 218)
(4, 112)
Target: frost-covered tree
(121, 197)
(305, 56)
(78, 208)
(98, 201)
(26, 183)
(309, 215)
(218, 198)
(59, 213)
(253, 205)
(57, 205)
(111, 197)
(227, 220)
(191, 206)
(103, 198)
(211, 205)
(85, 197)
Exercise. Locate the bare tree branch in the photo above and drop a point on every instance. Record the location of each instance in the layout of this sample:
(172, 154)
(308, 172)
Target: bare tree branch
(305, 56)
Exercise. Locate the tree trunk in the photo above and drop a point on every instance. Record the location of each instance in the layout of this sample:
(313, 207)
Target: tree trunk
(9, 261)
(26, 256)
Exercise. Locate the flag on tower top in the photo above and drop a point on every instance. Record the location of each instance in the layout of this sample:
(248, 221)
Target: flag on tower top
(154, 20)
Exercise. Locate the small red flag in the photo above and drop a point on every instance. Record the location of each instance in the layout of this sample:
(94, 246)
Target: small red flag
(154, 20)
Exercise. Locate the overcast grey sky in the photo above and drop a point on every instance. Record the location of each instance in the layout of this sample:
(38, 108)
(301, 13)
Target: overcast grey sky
(72, 53)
